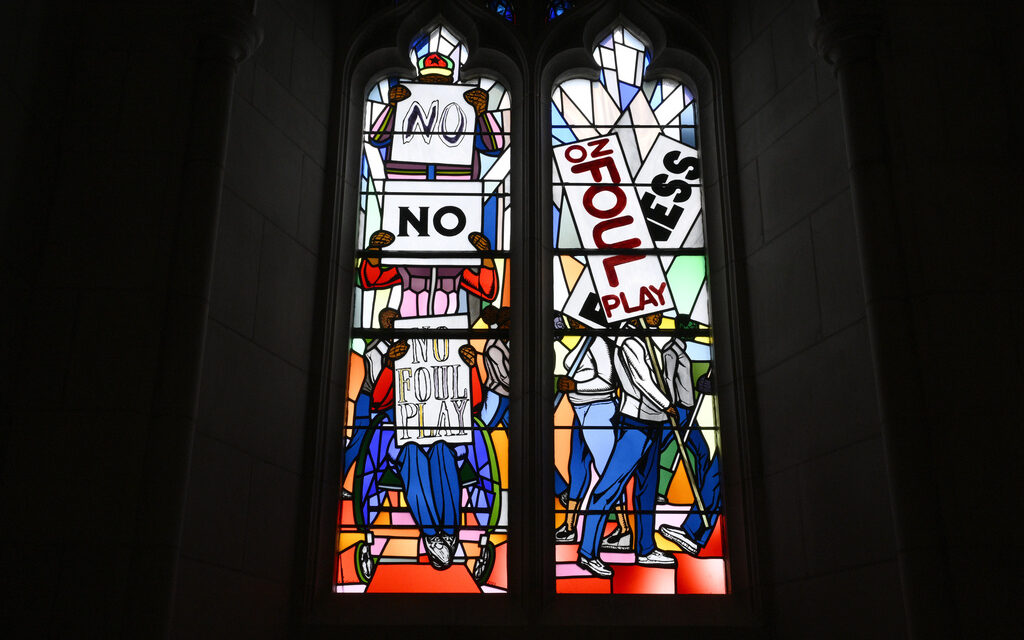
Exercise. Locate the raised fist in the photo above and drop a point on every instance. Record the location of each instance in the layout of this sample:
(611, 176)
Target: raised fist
(380, 239)
(479, 241)
(398, 349)
(566, 384)
(398, 93)
(468, 354)
(478, 98)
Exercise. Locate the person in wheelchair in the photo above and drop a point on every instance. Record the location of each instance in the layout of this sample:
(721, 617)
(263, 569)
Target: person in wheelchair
(432, 477)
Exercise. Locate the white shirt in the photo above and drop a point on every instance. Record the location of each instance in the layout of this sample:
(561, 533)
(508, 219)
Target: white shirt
(679, 372)
(595, 375)
(641, 397)
(373, 360)
(496, 365)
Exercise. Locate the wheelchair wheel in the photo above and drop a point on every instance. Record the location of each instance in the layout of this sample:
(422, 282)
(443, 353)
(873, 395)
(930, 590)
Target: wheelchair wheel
(484, 493)
(368, 495)
(484, 564)
(365, 564)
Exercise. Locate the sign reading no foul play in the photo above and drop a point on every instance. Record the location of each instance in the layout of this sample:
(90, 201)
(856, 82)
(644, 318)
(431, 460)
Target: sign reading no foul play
(431, 216)
(432, 386)
(434, 125)
(608, 215)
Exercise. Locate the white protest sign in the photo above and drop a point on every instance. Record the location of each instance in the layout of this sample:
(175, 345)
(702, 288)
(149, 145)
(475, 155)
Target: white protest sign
(431, 216)
(434, 125)
(669, 187)
(583, 303)
(607, 212)
(432, 386)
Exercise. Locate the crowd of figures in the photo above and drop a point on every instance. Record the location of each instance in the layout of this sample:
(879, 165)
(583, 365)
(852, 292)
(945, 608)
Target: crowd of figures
(630, 401)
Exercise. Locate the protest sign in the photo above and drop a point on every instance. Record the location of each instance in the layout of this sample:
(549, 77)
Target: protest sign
(432, 386)
(434, 125)
(668, 184)
(583, 304)
(607, 212)
(429, 216)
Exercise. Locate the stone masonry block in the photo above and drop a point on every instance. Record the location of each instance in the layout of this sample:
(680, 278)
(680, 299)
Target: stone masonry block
(753, 77)
(311, 207)
(292, 117)
(271, 522)
(311, 77)
(236, 265)
(847, 491)
(252, 399)
(803, 169)
(837, 261)
(863, 602)
(217, 503)
(275, 52)
(791, 44)
(284, 309)
(783, 298)
(264, 167)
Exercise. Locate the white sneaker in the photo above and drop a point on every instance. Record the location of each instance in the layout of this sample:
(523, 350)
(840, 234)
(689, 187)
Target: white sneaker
(565, 534)
(678, 536)
(438, 551)
(657, 558)
(618, 541)
(595, 567)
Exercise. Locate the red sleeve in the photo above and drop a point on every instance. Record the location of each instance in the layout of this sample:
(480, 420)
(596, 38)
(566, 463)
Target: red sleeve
(384, 389)
(483, 284)
(476, 392)
(376, 277)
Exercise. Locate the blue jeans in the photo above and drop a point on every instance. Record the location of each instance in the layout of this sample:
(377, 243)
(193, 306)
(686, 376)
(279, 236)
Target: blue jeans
(708, 486)
(634, 453)
(432, 489)
(588, 446)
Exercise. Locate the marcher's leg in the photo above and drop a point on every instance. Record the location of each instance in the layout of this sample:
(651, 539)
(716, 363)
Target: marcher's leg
(708, 488)
(629, 447)
(445, 488)
(414, 468)
(579, 462)
(645, 494)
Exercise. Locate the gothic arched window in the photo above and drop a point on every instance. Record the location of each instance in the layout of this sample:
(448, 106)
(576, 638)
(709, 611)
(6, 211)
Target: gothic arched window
(586, 459)
(636, 424)
(424, 476)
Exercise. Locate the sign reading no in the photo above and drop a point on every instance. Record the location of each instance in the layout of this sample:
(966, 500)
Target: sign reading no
(434, 125)
(432, 216)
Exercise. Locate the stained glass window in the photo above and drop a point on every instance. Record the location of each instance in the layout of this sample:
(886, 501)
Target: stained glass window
(503, 8)
(424, 480)
(558, 7)
(636, 435)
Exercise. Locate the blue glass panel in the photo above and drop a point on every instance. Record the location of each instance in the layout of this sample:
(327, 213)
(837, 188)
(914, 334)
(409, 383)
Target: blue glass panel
(503, 8)
(557, 8)
(491, 220)
(689, 136)
(626, 93)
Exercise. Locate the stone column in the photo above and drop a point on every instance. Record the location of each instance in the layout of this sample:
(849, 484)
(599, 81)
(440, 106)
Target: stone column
(224, 35)
(849, 40)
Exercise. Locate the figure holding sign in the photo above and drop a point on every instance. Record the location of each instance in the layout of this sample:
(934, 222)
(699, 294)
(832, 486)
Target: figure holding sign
(429, 290)
(430, 383)
(428, 137)
(644, 413)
